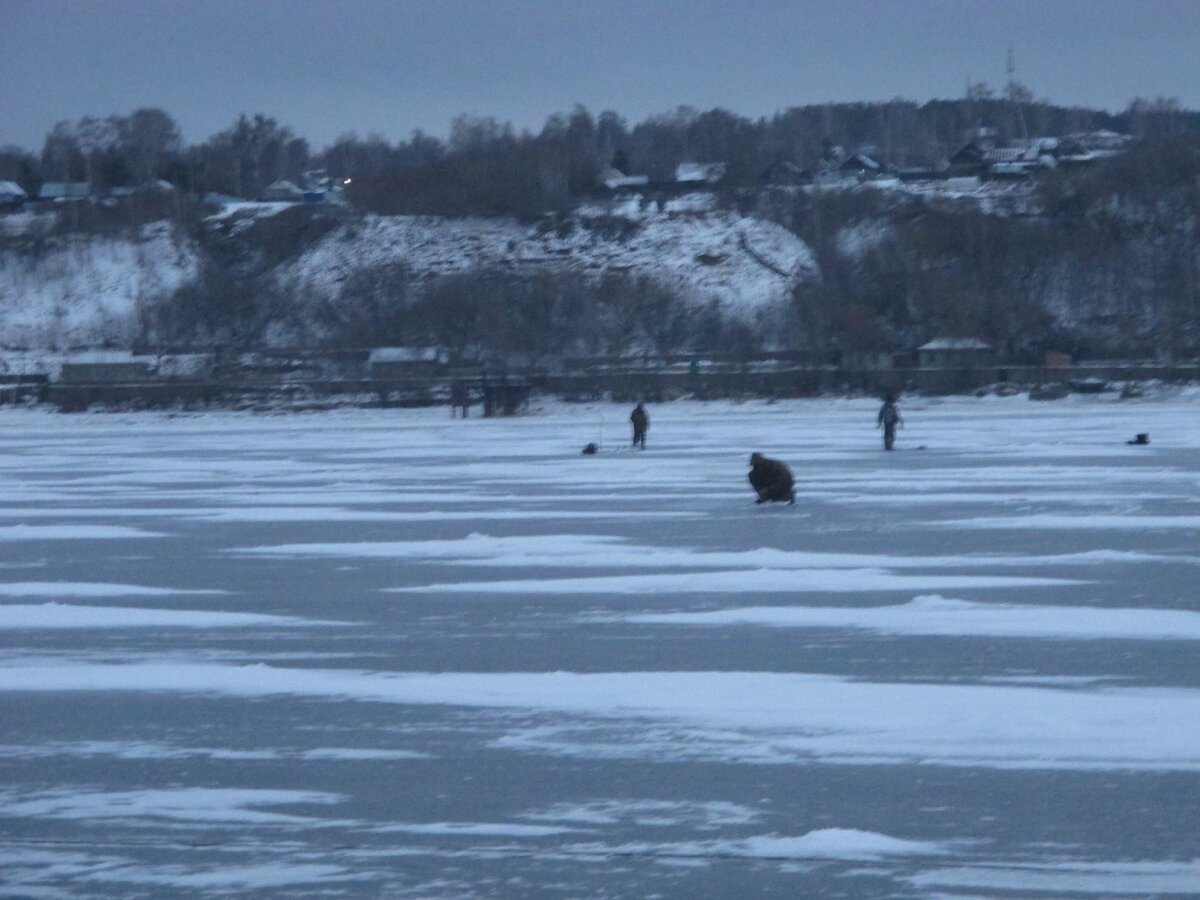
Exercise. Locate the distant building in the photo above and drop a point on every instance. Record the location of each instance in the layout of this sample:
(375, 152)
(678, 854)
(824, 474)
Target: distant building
(985, 157)
(65, 191)
(283, 191)
(699, 173)
(11, 195)
(860, 166)
(786, 173)
(615, 179)
(105, 367)
(953, 353)
(395, 362)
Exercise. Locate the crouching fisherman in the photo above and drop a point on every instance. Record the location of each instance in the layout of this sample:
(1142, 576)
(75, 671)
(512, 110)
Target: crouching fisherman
(771, 480)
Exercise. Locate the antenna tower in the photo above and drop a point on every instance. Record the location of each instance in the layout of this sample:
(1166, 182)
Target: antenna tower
(1014, 99)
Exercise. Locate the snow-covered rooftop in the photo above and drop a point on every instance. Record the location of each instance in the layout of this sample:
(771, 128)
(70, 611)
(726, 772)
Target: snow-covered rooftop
(955, 344)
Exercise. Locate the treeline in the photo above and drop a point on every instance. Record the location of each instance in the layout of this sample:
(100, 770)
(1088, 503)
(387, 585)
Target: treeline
(1108, 267)
(485, 167)
(1108, 264)
(129, 151)
(480, 315)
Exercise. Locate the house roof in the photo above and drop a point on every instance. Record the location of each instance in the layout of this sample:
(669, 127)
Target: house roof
(404, 354)
(11, 189)
(283, 185)
(955, 344)
(65, 190)
(613, 178)
(859, 162)
(710, 172)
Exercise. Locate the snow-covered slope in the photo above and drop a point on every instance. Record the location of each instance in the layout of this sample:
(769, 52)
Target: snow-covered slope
(742, 262)
(84, 290)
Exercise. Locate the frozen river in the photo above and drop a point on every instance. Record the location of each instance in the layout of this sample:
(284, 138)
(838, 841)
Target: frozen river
(390, 654)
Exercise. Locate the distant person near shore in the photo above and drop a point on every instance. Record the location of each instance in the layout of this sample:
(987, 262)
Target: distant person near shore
(641, 424)
(888, 419)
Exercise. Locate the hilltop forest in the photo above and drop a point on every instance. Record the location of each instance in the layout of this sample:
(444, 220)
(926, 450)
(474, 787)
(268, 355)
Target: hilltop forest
(1095, 260)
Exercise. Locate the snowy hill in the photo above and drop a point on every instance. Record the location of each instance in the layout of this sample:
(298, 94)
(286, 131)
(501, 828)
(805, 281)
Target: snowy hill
(743, 263)
(83, 291)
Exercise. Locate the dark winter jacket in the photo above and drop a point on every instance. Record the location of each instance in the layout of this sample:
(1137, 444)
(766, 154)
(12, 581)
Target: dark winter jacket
(640, 419)
(888, 414)
(771, 479)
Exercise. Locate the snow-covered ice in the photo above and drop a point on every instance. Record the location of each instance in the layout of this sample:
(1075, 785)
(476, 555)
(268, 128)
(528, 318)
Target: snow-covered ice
(393, 653)
(63, 615)
(941, 616)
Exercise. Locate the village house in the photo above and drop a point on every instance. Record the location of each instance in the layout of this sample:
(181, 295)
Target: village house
(282, 191)
(65, 191)
(954, 353)
(699, 173)
(394, 362)
(985, 157)
(616, 180)
(860, 167)
(11, 196)
(105, 367)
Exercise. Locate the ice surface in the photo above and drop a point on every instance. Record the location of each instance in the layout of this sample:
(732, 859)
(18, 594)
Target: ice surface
(748, 581)
(61, 615)
(615, 674)
(194, 805)
(88, 589)
(1099, 878)
(799, 717)
(71, 532)
(941, 616)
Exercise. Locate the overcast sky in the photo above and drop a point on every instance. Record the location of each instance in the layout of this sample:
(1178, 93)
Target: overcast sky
(325, 68)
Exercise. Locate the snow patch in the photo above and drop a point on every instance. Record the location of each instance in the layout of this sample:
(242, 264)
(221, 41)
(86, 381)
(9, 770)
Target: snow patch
(936, 615)
(63, 616)
(743, 717)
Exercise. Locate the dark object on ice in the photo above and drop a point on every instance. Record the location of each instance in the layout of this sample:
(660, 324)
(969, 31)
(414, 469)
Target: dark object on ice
(1054, 391)
(589, 449)
(771, 480)
(1132, 391)
(641, 424)
(1088, 385)
(1143, 437)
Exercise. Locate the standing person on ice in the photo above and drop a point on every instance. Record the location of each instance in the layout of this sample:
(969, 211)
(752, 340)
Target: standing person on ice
(641, 424)
(771, 479)
(888, 419)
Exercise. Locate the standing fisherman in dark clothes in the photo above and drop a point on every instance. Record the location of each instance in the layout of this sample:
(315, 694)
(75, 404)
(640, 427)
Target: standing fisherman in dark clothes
(641, 424)
(459, 397)
(771, 480)
(888, 419)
